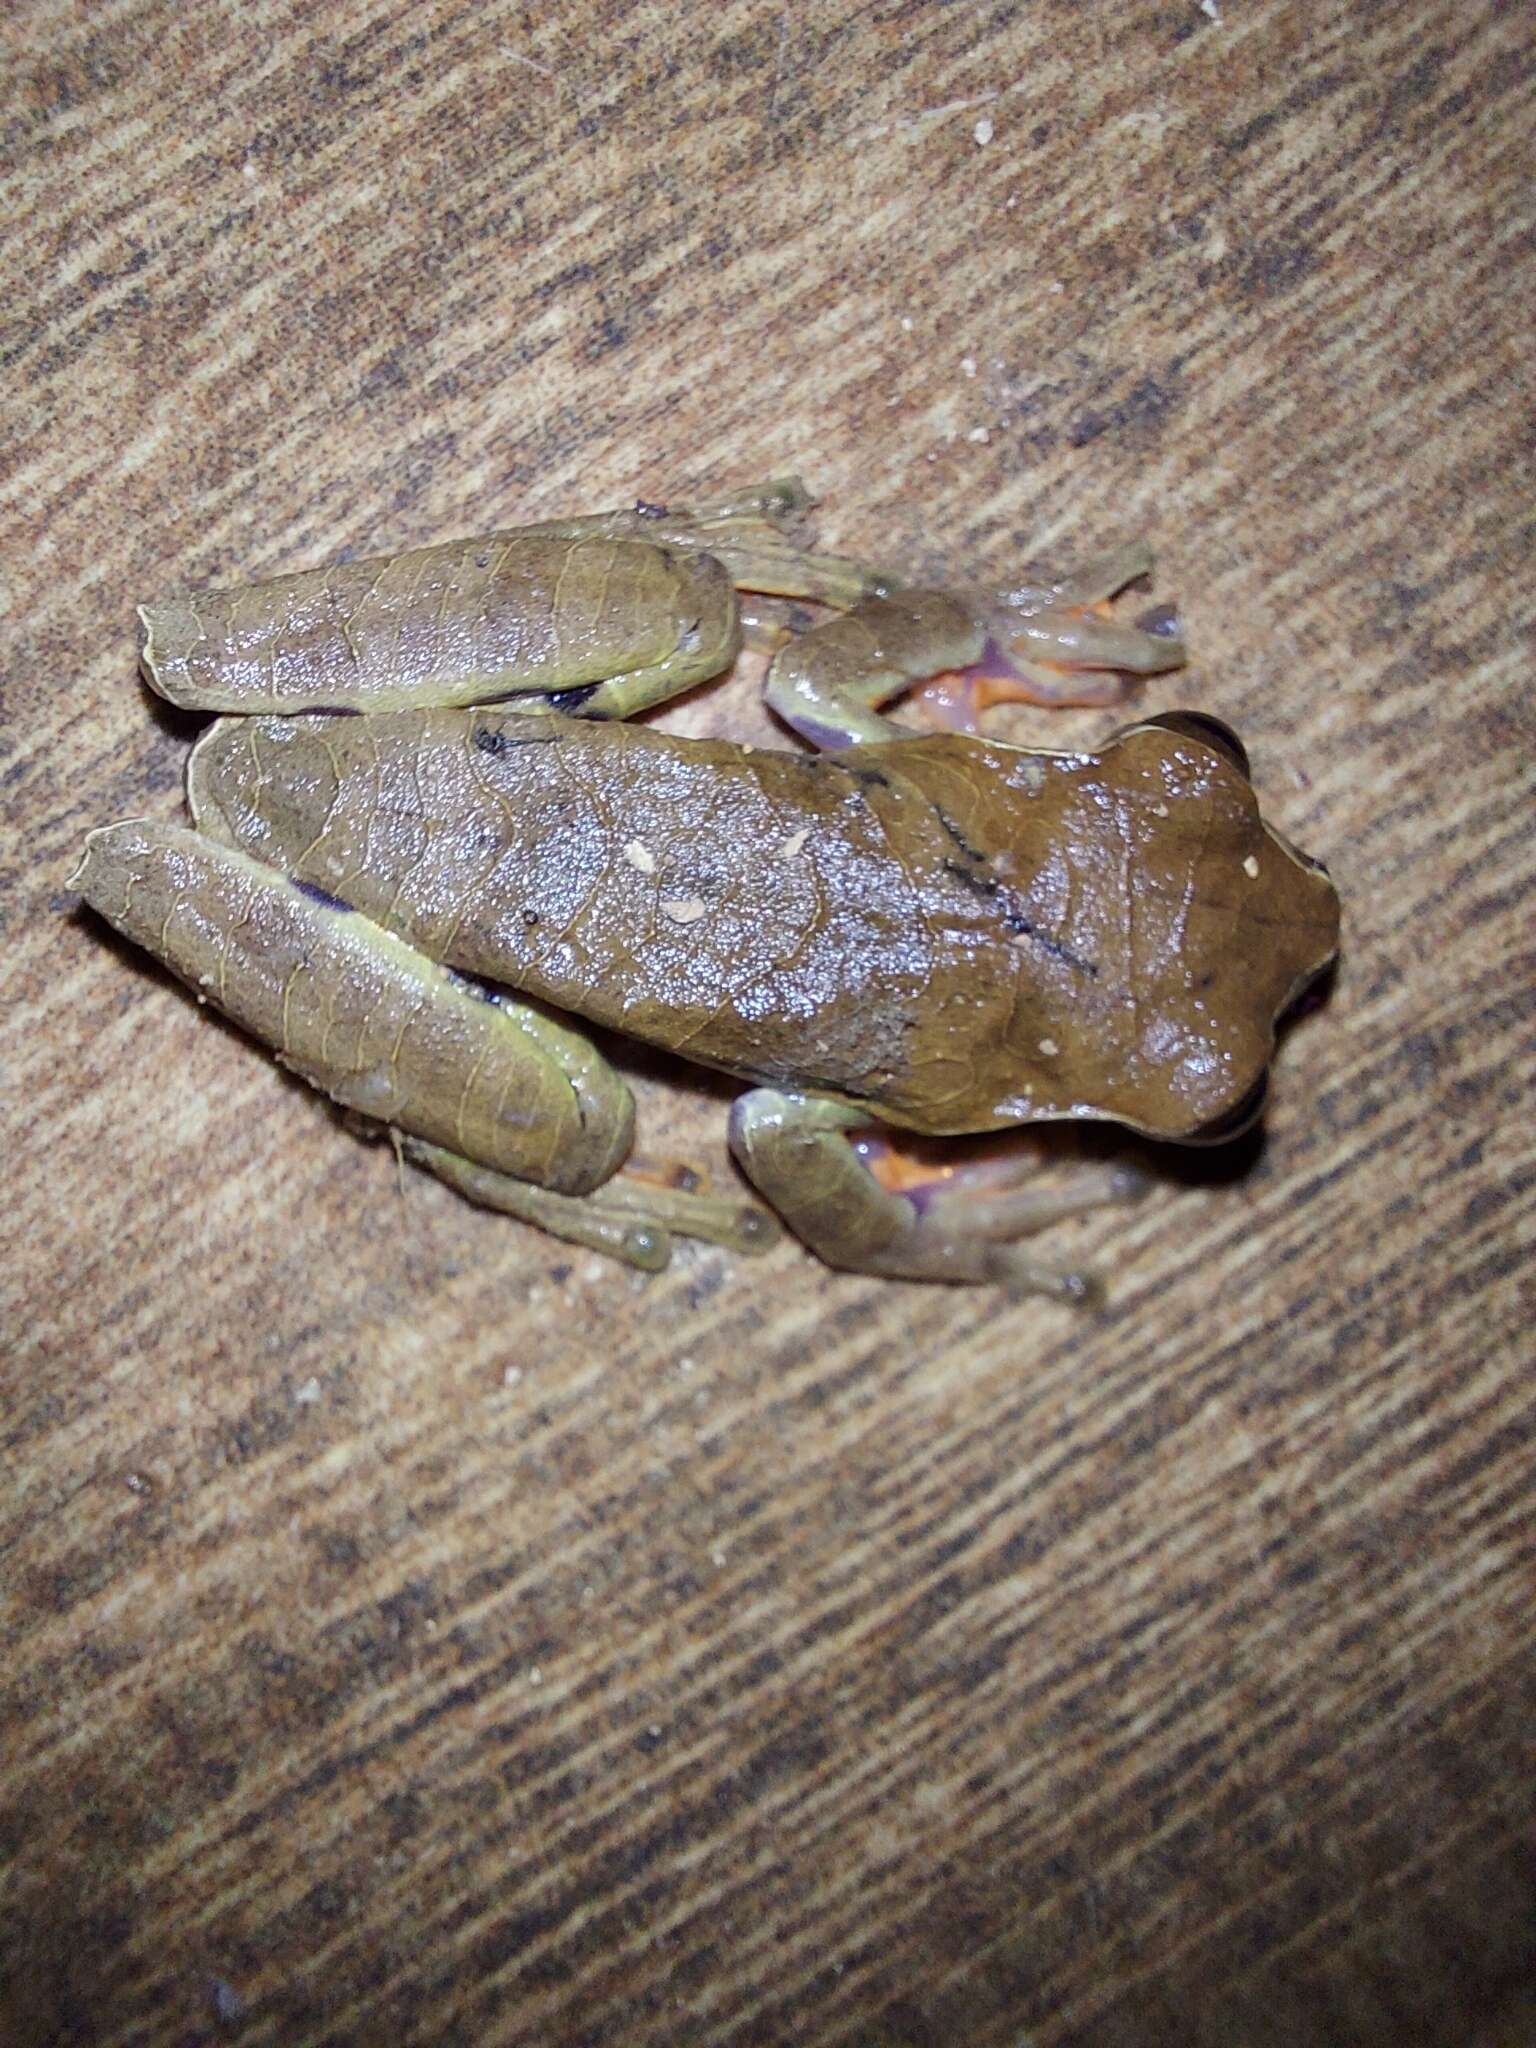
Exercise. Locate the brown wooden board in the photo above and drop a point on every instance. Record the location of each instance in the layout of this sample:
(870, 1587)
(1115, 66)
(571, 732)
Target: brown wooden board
(413, 1632)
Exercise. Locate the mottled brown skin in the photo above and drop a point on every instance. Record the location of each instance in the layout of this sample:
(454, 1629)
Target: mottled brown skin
(381, 1029)
(952, 933)
(452, 623)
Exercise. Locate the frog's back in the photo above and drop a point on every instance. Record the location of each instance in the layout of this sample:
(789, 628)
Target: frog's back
(957, 933)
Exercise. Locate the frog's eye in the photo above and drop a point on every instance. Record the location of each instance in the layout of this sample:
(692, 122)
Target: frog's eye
(1233, 1122)
(1211, 732)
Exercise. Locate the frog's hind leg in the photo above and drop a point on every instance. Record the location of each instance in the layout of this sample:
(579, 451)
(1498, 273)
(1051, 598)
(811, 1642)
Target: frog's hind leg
(627, 1218)
(962, 1228)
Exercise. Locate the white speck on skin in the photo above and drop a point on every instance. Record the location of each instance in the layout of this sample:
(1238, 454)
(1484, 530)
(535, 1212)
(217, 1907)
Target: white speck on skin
(968, 365)
(1159, 810)
(307, 1393)
(1211, 9)
(535, 1676)
(717, 1557)
(983, 132)
(512, 1375)
(978, 434)
(640, 857)
(684, 909)
(794, 844)
(1251, 868)
(685, 1365)
(1049, 1047)
(1056, 288)
(906, 323)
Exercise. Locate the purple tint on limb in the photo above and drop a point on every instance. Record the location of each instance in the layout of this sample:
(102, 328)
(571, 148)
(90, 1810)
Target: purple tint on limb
(819, 735)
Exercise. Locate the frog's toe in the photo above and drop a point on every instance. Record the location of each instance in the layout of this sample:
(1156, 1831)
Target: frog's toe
(1062, 643)
(980, 1210)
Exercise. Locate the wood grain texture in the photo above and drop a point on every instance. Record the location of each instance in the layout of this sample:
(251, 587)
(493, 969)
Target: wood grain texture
(412, 1633)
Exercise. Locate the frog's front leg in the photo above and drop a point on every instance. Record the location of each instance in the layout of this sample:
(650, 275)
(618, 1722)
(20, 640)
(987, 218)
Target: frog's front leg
(795, 1151)
(1050, 644)
(513, 1109)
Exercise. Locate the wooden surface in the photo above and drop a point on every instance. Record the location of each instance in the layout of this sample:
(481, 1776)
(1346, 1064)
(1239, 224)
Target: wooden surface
(415, 1633)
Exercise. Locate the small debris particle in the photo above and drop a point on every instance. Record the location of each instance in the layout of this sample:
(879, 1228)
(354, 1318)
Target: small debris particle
(1159, 810)
(978, 434)
(512, 1375)
(794, 844)
(1049, 1047)
(906, 323)
(983, 131)
(1211, 9)
(685, 1364)
(1251, 868)
(717, 1557)
(968, 365)
(684, 909)
(226, 2001)
(535, 1676)
(640, 857)
(307, 1393)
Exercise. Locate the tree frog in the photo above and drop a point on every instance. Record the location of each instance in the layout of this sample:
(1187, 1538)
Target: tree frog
(938, 932)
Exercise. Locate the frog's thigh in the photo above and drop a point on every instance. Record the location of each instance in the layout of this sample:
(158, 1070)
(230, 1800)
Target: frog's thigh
(361, 1015)
(795, 1151)
(629, 1219)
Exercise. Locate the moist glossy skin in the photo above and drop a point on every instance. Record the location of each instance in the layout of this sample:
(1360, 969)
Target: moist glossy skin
(945, 933)
(952, 933)
(446, 625)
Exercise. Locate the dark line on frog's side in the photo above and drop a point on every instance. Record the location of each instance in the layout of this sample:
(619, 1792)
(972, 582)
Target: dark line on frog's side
(964, 844)
(489, 741)
(1014, 919)
(318, 895)
(1017, 923)
(980, 885)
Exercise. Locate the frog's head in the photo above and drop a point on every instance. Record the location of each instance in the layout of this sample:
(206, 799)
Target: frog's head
(1194, 927)
(1159, 928)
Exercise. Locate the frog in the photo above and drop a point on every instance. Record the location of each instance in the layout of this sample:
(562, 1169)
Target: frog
(430, 842)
